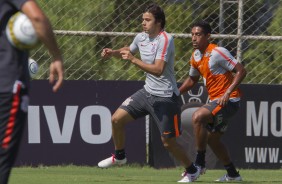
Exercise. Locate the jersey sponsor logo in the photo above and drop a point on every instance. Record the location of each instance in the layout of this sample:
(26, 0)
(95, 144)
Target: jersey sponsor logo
(144, 43)
(197, 55)
(62, 132)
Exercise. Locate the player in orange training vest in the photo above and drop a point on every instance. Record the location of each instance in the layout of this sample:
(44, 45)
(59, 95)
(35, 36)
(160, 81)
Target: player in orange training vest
(216, 65)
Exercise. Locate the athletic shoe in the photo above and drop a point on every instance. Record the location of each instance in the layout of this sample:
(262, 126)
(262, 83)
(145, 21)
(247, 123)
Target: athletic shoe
(202, 171)
(111, 161)
(228, 178)
(187, 178)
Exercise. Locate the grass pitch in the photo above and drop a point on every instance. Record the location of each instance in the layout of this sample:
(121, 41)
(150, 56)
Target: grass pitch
(130, 174)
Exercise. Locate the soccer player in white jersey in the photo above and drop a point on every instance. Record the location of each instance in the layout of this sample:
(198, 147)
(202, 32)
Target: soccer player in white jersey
(160, 95)
(216, 65)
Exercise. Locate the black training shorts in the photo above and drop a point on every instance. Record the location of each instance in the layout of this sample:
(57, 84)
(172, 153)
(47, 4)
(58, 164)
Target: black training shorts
(164, 110)
(221, 115)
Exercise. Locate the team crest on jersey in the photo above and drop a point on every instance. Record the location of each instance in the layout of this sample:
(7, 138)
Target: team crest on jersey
(197, 55)
(127, 101)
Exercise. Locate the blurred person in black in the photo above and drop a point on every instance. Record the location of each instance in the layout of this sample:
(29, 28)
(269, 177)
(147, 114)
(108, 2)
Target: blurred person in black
(15, 79)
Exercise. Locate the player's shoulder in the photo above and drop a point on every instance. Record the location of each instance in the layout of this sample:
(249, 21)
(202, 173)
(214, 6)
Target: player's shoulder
(219, 50)
(141, 36)
(166, 35)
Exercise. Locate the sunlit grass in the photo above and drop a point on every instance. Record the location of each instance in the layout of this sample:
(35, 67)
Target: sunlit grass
(127, 174)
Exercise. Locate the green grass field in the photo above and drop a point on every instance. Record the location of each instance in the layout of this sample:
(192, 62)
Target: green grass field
(126, 174)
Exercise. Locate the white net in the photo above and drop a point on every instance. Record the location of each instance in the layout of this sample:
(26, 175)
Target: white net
(250, 29)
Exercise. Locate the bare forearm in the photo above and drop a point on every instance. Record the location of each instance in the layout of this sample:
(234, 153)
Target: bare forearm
(188, 84)
(238, 78)
(117, 54)
(48, 38)
(43, 28)
(149, 68)
(45, 33)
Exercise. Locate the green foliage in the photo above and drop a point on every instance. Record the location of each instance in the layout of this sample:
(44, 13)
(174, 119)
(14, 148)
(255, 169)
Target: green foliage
(263, 58)
(82, 53)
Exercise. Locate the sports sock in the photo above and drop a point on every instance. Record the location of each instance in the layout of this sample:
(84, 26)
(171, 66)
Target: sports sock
(231, 170)
(191, 169)
(120, 154)
(200, 158)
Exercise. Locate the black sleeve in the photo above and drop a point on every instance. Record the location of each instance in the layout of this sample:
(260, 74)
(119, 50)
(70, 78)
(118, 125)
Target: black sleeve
(17, 3)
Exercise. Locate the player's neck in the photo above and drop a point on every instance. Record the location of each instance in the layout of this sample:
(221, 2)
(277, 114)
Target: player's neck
(155, 34)
(203, 50)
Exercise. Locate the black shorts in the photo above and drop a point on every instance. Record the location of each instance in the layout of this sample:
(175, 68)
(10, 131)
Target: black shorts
(13, 114)
(164, 110)
(221, 115)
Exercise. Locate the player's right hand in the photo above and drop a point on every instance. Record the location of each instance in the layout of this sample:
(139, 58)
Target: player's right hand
(56, 73)
(106, 53)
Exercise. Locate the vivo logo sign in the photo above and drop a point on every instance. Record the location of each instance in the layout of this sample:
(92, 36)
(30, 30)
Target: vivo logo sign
(63, 134)
(266, 119)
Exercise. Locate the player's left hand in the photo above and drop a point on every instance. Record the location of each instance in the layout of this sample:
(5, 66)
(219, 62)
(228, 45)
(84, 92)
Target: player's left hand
(126, 54)
(222, 101)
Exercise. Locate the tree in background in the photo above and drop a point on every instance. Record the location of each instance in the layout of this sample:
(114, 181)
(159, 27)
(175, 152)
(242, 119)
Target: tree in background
(82, 53)
(263, 58)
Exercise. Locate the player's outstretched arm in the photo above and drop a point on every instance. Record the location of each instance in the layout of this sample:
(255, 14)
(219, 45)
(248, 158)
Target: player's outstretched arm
(188, 84)
(107, 52)
(45, 33)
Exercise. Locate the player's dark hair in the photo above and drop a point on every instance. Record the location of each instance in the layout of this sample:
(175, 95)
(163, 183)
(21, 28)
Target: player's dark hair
(157, 12)
(204, 25)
